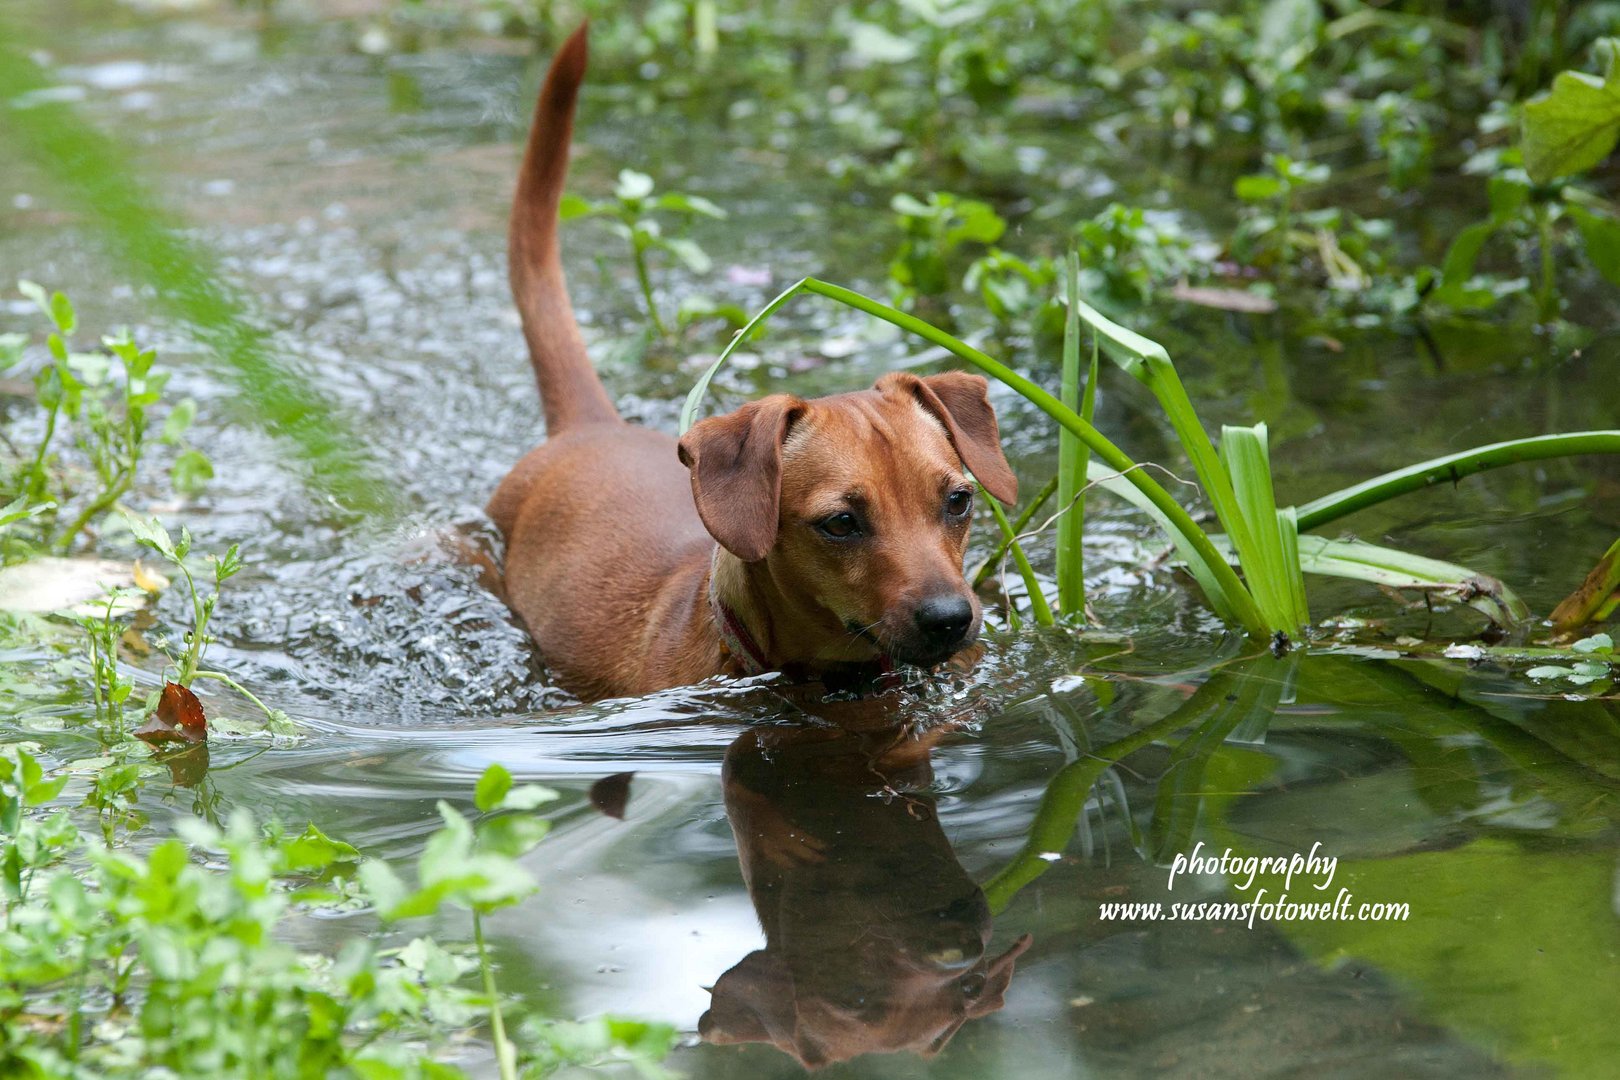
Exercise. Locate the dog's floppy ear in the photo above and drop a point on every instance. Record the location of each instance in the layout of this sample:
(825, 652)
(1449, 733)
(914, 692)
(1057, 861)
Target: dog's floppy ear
(736, 463)
(997, 978)
(961, 402)
(753, 1002)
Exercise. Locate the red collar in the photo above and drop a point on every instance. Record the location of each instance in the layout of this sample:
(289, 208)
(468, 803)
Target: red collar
(734, 636)
(739, 643)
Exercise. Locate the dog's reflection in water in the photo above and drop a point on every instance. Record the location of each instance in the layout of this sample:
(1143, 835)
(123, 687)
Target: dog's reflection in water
(876, 938)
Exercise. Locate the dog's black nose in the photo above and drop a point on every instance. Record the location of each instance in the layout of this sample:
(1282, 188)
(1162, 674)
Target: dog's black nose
(944, 619)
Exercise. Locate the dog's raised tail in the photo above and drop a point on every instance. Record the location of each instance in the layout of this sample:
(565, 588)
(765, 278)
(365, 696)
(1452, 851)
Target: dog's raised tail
(570, 391)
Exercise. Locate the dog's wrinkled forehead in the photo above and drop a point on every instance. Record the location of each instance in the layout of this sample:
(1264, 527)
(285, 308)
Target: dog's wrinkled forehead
(867, 439)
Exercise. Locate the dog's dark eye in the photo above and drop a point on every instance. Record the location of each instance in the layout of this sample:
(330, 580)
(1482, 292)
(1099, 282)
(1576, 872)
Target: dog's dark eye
(839, 526)
(958, 503)
(972, 985)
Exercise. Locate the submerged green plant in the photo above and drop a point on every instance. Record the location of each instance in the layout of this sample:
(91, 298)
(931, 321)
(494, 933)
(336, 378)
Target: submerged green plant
(631, 213)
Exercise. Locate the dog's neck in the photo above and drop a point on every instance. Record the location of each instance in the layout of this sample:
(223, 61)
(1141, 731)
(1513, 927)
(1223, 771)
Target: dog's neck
(765, 629)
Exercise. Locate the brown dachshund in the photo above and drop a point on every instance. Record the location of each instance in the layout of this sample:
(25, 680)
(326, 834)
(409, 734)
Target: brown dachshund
(875, 937)
(797, 535)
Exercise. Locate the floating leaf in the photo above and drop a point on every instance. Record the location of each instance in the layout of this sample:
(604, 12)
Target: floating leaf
(191, 472)
(178, 717)
(1597, 643)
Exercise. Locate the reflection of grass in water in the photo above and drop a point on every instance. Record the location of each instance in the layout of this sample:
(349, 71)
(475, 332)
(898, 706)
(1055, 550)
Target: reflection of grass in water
(91, 172)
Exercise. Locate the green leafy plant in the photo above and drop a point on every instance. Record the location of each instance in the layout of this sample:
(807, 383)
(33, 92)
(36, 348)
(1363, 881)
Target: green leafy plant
(1564, 131)
(1574, 125)
(632, 215)
(186, 663)
(934, 233)
(176, 959)
(1126, 254)
(1593, 662)
(1276, 231)
(101, 403)
(1542, 218)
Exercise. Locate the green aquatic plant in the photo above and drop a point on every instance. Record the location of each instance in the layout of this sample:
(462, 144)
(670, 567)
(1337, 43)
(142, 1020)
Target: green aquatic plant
(186, 663)
(1262, 538)
(632, 215)
(1074, 457)
(100, 404)
(176, 959)
(1127, 254)
(934, 234)
(1565, 131)
(1573, 125)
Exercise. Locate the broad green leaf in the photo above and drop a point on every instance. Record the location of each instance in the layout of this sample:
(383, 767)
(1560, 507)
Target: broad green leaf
(179, 420)
(11, 349)
(191, 472)
(314, 850)
(689, 204)
(492, 788)
(1464, 251)
(382, 885)
(527, 797)
(872, 44)
(62, 313)
(1287, 34)
(1257, 188)
(37, 294)
(910, 206)
(149, 532)
(1508, 192)
(572, 206)
(696, 259)
(1573, 126)
(1597, 643)
(512, 835)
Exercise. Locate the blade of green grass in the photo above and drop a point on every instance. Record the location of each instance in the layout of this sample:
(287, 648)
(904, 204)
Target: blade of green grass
(1273, 575)
(1149, 363)
(989, 565)
(1037, 599)
(1452, 468)
(1071, 469)
(1228, 596)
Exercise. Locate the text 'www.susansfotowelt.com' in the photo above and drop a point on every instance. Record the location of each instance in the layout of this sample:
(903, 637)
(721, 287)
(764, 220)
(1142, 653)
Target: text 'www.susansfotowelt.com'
(1314, 871)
